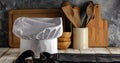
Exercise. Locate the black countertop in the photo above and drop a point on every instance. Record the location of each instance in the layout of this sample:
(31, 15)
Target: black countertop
(91, 58)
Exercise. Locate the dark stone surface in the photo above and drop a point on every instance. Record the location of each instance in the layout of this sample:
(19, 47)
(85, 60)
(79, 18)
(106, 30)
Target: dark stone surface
(96, 58)
(76, 57)
(80, 58)
(109, 10)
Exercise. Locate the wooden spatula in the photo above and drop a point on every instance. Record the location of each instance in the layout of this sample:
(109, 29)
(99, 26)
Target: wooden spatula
(76, 15)
(67, 9)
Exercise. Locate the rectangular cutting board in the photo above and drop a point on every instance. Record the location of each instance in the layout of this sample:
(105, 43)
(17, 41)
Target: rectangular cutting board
(98, 29)
(14, 14)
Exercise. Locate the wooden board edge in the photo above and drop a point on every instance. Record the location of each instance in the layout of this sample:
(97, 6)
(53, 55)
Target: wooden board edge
(10, 30)
(27, 11)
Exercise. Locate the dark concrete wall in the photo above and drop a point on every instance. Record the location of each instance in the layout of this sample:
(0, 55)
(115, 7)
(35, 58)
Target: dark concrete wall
(109, 10)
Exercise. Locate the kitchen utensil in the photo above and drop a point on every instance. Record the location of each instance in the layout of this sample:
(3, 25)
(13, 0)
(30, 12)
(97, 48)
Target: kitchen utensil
(63, 39)
(63, 45)
(76, 15)
(84, 15)
(89, 11)
(69, 14)
(66, 35)
(64, 18)
(88, 14)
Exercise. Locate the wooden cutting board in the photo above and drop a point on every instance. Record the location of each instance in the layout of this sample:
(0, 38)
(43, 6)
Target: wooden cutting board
(98, 30)
(14, 14)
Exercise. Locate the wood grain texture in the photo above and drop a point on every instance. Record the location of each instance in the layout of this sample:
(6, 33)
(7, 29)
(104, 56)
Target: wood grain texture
(76, 15)
(98, 30)
(10, 56)
(105, 32)
(64, 39)
(69, 14)
(14, 14)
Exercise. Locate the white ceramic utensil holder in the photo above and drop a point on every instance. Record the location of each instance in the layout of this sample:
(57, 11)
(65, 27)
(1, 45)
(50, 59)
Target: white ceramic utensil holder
(80, 38)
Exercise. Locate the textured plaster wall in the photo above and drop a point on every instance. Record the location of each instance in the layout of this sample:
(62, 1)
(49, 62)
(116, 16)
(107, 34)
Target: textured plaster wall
(109, 10)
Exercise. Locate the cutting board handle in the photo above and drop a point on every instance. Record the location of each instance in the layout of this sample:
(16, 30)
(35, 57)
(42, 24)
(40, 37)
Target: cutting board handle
(97, 31)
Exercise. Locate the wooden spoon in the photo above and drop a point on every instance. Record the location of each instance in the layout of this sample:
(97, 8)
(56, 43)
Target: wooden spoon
(89, 11)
